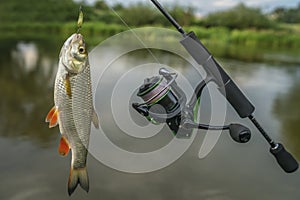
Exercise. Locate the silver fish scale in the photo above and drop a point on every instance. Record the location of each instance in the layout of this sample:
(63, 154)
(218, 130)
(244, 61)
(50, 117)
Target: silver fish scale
(82, 105)
(75, 112)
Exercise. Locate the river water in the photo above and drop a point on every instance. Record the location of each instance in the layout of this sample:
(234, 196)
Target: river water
(31, 168)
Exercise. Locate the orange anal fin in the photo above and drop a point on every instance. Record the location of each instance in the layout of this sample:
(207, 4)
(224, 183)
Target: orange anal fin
(63, 148)
(50, 114)
(54, 119)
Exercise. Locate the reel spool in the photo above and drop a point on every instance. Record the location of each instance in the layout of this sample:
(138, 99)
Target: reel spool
(162, 102)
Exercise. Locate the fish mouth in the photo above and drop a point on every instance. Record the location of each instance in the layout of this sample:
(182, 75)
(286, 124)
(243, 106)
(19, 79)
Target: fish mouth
(77, 38)
(70, 40)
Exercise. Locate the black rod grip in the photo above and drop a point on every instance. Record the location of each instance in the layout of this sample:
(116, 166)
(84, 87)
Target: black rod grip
(237, 99)
(227, 87)
(234, 95)
(286, 161)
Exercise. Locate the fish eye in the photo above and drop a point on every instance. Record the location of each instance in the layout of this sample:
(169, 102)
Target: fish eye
(81, 49)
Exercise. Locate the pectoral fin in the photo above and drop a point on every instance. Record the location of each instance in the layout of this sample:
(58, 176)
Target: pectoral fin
(68, 86)
(95, 119)
(52, 117)
(50, 114)
(63, 148)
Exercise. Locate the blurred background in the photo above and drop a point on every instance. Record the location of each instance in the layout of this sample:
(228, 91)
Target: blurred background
(257, 43)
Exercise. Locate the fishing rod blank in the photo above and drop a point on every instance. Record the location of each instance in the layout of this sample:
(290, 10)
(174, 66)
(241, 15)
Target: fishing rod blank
(229, 89)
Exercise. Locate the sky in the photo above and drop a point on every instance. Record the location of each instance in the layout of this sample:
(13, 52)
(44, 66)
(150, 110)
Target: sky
(206, 6)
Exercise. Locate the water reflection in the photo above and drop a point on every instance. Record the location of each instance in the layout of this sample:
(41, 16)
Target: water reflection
(26, 56)
(25, 79)
(286, 110)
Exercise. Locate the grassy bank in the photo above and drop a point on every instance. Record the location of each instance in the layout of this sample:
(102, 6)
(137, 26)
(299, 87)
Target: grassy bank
(252, 45)
(238, 44)
(286, 38)
(48, 30)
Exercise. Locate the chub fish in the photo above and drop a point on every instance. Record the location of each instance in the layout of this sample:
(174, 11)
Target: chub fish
(73, 108)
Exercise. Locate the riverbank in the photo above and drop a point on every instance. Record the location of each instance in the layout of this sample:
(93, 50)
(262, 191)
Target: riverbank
(248, 45)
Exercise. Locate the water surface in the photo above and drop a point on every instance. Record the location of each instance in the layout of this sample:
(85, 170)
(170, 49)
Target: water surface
(31, 168)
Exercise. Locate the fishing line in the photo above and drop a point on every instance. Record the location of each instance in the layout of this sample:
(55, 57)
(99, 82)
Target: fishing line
(134, 33)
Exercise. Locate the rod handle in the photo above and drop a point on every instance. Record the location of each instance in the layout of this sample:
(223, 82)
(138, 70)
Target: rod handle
(286, 161)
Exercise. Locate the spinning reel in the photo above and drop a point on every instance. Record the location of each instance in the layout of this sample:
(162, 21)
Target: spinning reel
(165, 102)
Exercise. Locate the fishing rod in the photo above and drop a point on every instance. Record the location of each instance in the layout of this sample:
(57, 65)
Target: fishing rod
(164, 100)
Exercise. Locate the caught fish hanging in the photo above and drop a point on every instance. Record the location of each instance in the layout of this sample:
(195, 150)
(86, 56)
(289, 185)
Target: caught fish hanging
(73, 109)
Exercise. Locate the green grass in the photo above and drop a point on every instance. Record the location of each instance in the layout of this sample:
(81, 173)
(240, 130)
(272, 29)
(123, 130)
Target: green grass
(247, 45)
(35, 31)
(286, 37)
(251, 45)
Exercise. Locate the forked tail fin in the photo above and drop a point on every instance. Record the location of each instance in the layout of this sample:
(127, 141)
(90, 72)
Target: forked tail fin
(78, 176)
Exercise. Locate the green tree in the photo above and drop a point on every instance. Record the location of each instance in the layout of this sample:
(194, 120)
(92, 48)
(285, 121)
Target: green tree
(118, 7)
(291, 15)
(38, 11)
(239, 17)
(184, 15)
(101, 5)
(139, 14)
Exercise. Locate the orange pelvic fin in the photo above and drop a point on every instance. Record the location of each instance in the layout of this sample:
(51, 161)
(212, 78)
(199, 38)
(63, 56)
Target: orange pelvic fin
(78, 176)
(63, 148)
